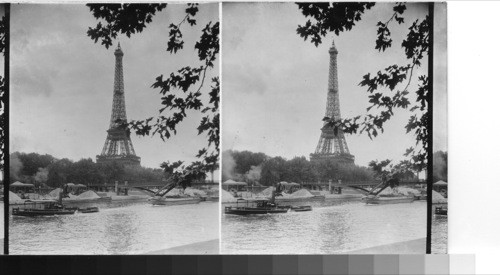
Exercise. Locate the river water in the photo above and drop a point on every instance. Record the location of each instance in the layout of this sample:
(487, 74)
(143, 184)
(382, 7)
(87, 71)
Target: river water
(2, 231)
(119, 228)
(331, 227)
(439, 238)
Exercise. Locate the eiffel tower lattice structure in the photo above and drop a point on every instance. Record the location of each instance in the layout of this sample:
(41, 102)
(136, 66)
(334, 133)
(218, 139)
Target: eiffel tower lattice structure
(118, 145)
(332, 143)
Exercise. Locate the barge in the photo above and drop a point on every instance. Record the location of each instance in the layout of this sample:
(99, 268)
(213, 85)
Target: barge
(262, 207)
(174, 200)
(388, 200)
(36, 208)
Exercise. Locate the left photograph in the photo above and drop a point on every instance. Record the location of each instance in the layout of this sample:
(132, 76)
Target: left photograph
(114, 129)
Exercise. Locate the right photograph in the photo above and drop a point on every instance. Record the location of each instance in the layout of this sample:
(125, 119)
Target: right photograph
(327, 128)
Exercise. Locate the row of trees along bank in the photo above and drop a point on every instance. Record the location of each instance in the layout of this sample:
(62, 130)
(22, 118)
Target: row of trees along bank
(259, 168)
(46, 170)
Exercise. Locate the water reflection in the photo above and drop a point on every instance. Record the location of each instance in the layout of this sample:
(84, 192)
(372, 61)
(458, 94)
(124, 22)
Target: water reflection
(439, 239)
(129, 229)
(121, 232)
(332, 227)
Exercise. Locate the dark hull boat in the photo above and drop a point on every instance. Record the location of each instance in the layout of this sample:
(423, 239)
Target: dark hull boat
(253, 210)
(388, 200)
(36, 208)
(41, 212)
(83, 210)
(89, 210)
(301, 208)
(174, 200)
(440, 211)
(262, 207)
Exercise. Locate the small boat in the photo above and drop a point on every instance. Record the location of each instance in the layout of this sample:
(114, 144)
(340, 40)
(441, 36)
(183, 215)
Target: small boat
(388, 200)
(40, 212)
(89, 210)
(301, 208)
(441, 211)
(262, 207)
(174, 200)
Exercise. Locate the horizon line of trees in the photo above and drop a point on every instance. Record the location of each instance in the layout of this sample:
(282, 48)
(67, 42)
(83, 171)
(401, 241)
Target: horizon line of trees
(259, 168)
(48, 171)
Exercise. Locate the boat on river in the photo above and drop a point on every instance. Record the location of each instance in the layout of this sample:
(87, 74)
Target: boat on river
(36, 208)
(245, 207)
(304, 208)
(83, 210)
(388, 199)
(89, 210)
(252, 207)
(441, 211)
(174, 200)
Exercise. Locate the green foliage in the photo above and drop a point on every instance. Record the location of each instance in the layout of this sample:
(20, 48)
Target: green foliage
(245, 160)
(329, 17)
(385, 93)
(3, 28)
(3, 33)
(30, 163)
(385, 171)
(45, 169)
(182, 90)
(298, 169)
(242, 166)
(384, 40)
(440, 163)
(183, 176)
(120, 18)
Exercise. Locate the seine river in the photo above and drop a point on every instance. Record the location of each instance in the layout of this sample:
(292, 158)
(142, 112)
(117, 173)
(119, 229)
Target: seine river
(135, 228)
(124, 228)
(331, 227)
(439, 234)
(2, 232)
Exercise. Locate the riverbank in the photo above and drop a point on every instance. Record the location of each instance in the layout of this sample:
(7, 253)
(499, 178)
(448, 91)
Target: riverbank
(200, 248)
(409, 247)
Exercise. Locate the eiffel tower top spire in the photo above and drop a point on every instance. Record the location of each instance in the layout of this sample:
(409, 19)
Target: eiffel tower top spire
(118, 50)
(333, 48)
(118, 112)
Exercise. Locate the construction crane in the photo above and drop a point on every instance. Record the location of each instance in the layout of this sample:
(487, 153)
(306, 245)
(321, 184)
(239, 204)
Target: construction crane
(392, 182)
(171, 184)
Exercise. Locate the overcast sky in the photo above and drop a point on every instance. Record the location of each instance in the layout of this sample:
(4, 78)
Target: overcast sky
(275, 83)
(62, 82)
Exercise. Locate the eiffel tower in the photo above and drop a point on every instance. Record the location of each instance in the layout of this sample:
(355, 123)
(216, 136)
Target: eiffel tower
(118, 146)
(332, 143)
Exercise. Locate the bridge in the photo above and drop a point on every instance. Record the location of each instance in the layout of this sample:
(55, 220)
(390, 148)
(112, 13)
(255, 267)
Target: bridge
(149, 187)
(360, 183)
(162, 184)
(366, 187)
